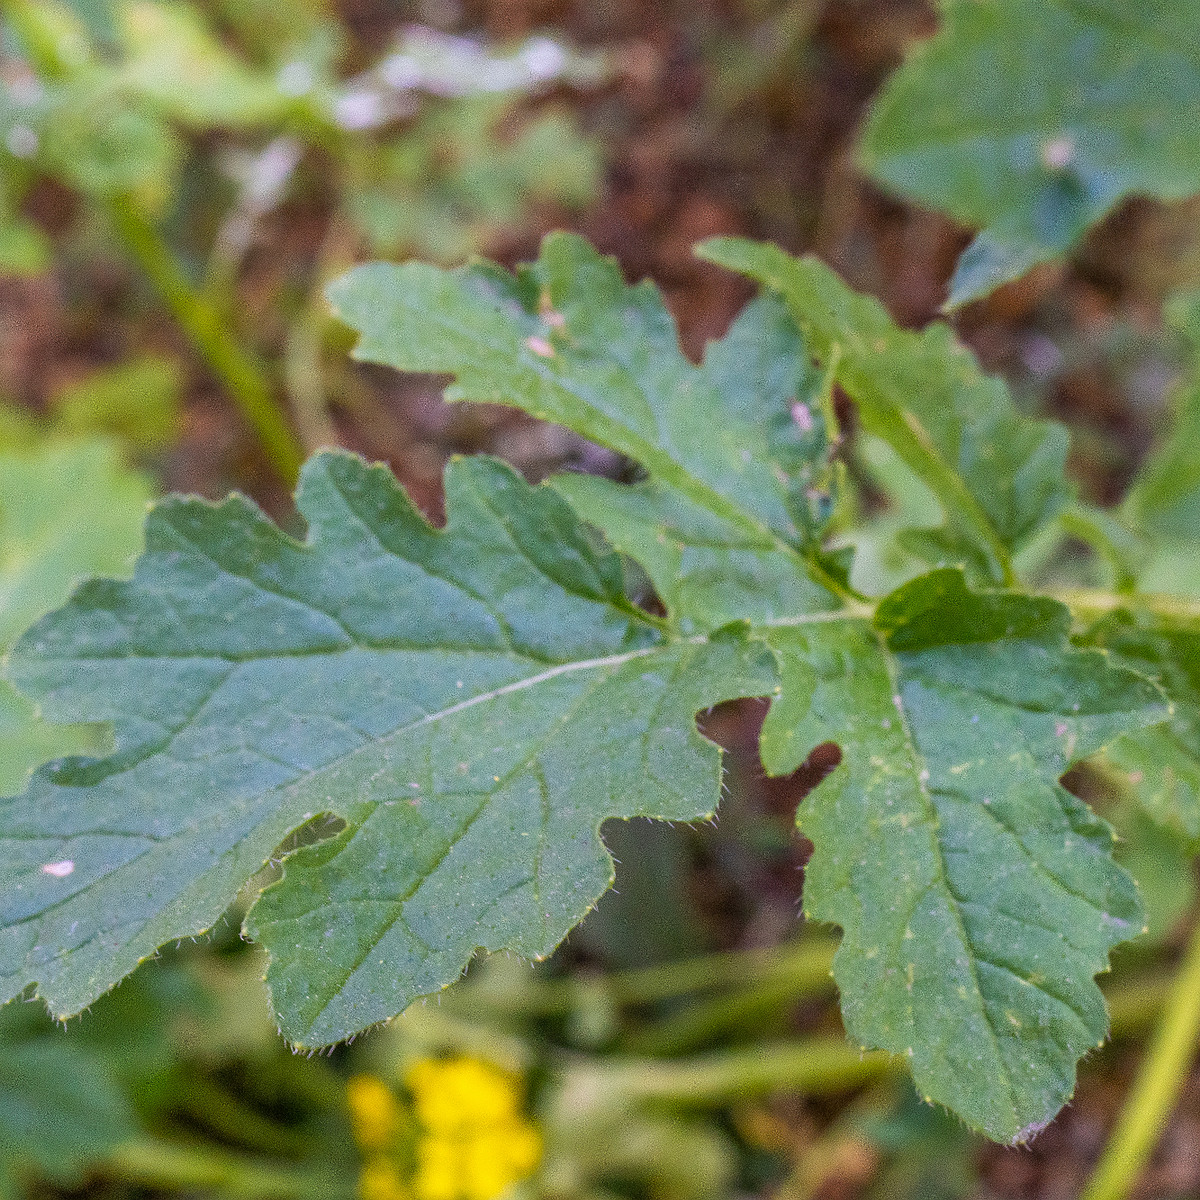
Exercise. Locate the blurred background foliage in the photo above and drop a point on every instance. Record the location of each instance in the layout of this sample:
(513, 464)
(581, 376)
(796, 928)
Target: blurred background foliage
(178, 181)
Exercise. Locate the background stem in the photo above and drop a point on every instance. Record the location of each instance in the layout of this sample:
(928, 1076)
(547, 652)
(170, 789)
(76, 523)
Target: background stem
(242, 378)
(1157, 1087)
(157, 1164)
(199, 318)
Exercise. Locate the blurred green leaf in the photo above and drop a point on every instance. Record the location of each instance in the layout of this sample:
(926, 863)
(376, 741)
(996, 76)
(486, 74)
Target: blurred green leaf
(137, 401)
(24, 248)
(68, 511)
(175, 64)
(1161, 764)
(1164, 499)
(60, 1106)
(447, 184)
(1033, 118)
(1159, 858)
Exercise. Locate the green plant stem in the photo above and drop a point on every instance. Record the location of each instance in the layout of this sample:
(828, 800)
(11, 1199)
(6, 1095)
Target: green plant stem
(1095, 603)
(199, 319)
(772, 988)
(163, 1165)
(55, 58)
(1157, 1087)
(806, 962)
(816, 1066)
(233, 1120)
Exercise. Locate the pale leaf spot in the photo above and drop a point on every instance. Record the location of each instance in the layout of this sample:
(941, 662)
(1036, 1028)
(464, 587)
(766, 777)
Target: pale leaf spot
(60, 870)
(1057, 153)
(803, 417)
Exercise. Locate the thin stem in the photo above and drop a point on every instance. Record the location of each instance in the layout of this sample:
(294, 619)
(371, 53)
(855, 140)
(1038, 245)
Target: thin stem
(817, 1066)
(56, 57)
(232, 1119)
(159, 1164)
(1110, 540)
(765, 989)
(1095, 602)
(304, 367)
(1157, 1087)
(229, 362)
(806, 961)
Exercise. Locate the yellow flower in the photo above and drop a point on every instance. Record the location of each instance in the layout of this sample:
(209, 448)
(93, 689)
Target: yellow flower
(380, 1180)
(460, 1092)
(438, 1175)
(475, 1144)
(374, 1114)
(524, 1148)
(490, 1166)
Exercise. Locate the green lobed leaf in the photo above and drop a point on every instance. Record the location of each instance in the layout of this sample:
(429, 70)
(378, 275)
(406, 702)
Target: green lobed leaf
(731, 449)
(998, 475)
(977, 897)
(1033, 118)
(68, 510)
(472, 702)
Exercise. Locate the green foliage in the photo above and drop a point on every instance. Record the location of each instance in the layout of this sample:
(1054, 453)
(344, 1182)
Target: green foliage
(137, 401)
(423, 161)
(1164, 501)
(443, 185)
(60, 1108)
(68, 510)
(998, 476)
(977, 897)
(1161, 765)
(724, 523)
(472, 703)
(298, 687)
(1033, 118)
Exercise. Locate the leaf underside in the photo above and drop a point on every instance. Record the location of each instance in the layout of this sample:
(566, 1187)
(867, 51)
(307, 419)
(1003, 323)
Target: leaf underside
(473, 702)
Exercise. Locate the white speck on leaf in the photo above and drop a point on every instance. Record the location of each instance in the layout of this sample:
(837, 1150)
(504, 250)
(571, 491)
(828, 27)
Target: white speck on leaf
(1058, 153)
(22, 142)
(803, 417)
(60, 870)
